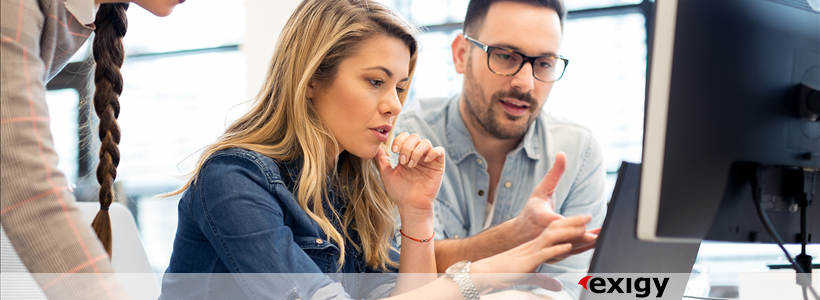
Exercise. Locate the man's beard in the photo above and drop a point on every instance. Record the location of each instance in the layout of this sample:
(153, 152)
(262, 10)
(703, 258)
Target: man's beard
(484, 111)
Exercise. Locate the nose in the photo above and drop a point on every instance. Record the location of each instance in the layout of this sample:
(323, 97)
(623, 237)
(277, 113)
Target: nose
(390, 104)
(523, 81)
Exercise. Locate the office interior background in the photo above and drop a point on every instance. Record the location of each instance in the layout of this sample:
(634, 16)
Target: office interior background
(187, 76)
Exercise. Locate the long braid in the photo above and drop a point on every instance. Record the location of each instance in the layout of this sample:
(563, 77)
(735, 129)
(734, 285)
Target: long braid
(109, 54)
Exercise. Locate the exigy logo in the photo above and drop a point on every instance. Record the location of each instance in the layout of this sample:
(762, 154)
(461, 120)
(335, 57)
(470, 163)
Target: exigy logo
(641, 285)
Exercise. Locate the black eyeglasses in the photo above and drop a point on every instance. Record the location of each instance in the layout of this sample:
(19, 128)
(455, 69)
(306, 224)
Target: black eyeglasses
(506, 62)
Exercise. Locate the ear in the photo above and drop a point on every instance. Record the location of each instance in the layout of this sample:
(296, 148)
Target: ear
(460, 49)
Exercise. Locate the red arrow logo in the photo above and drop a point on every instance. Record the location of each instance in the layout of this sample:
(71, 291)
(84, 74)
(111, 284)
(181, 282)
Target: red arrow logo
(584, 282)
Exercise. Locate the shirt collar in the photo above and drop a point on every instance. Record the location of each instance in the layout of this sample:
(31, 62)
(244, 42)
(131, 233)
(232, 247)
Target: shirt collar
(534, 139)
(458, 138)
(85, 11)
(461, 143)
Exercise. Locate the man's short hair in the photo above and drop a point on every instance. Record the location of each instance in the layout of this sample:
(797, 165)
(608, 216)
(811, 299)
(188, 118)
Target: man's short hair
(477, 11)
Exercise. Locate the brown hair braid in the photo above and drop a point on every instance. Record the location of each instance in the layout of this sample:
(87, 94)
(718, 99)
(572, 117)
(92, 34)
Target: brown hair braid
(109, 54)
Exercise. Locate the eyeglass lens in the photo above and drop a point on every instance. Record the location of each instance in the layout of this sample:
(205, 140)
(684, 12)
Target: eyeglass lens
(505, 62)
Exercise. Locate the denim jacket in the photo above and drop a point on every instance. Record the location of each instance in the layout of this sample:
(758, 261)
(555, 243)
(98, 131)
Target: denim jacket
(241, 217)
(462, 200)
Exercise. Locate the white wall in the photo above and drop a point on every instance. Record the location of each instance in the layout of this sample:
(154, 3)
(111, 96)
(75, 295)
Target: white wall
(264, 21)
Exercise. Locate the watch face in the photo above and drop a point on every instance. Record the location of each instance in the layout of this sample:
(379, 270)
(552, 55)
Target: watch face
(458, 267)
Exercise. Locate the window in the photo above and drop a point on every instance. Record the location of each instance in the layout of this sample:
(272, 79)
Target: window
(63, 116)
(184, 82)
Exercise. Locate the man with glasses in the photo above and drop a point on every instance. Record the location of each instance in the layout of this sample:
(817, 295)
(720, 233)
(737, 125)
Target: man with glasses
(496, 193)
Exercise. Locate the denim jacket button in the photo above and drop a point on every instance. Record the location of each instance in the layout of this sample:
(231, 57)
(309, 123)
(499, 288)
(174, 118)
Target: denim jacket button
(319, 241)
(507, 184)
(481, 192)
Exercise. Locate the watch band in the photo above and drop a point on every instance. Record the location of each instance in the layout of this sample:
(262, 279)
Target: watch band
(460, 273)
(466, 286)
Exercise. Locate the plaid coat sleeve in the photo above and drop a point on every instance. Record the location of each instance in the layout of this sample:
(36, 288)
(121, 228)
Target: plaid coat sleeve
(37, 39)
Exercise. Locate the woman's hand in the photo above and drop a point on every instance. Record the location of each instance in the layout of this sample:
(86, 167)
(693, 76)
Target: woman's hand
(515, 266)
(414, 183)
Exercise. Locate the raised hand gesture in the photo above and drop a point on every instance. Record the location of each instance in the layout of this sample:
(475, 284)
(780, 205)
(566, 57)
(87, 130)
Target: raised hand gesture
(539, 212)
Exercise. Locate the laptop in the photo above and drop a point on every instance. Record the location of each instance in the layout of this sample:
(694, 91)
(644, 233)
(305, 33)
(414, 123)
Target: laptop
(638, 268)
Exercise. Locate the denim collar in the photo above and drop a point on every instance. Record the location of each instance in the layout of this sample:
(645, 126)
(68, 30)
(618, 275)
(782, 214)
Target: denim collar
(460, 143)
(294, 166)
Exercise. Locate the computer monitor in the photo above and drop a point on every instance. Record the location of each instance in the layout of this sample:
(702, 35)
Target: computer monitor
(725, 81)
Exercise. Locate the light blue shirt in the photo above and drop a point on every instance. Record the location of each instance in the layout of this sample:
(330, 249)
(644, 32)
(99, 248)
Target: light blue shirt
(461, 203)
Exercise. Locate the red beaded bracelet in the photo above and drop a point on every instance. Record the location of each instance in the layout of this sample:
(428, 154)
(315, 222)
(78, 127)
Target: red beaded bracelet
(419, 240)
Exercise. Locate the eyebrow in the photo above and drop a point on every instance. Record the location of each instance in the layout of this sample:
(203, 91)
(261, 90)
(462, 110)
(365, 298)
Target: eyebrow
(386, 71)
(514, 48)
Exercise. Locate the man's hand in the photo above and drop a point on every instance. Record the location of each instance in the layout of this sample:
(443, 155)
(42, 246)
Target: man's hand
(539, 212)
(536, 216)
(579, 245)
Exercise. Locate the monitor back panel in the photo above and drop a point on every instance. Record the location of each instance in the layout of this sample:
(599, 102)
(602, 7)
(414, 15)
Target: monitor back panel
(620, 253)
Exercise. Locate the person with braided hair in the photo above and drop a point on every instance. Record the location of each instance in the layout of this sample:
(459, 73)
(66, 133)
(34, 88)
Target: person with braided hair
(37, 39)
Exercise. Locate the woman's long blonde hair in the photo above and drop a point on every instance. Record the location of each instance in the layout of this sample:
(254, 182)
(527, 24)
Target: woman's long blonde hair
(284, 125)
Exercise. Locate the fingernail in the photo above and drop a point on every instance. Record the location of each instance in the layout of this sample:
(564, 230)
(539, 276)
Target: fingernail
(403, 159)
(411, 164)
(395, 148)
(426, 158)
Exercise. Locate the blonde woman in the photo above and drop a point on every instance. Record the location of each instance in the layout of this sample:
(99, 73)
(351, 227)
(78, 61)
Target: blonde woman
(302, 183)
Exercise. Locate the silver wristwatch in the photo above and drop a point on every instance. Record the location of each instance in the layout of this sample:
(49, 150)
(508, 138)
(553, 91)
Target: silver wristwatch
(460, 273)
